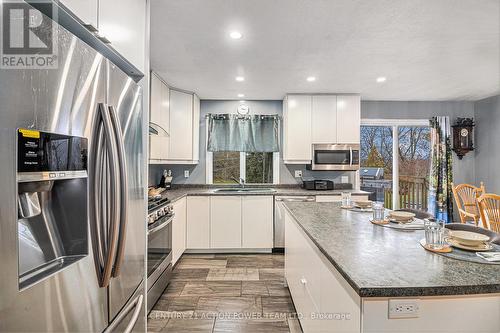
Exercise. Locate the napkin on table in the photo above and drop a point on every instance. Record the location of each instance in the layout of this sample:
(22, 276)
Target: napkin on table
(489, 256)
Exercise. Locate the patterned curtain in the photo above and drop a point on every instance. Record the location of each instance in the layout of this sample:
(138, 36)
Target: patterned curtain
(441, 177)
(231, 132)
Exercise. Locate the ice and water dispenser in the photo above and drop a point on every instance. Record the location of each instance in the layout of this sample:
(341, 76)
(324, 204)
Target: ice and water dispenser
(52, 203)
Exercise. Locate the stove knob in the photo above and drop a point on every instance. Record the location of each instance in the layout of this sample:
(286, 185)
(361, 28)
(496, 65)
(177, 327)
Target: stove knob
(151, 218)
(161, 212)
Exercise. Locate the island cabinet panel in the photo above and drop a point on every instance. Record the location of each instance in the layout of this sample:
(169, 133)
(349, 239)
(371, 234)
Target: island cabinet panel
(295, 267)
(320, 294)
(179, 229)
(472, 314)
(257, 222)
(225, 218)
(198, 222)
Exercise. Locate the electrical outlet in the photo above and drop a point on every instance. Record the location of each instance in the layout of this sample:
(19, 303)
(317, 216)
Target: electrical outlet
(403, 308)
(298, 173)
(186, 173)
(344, 179)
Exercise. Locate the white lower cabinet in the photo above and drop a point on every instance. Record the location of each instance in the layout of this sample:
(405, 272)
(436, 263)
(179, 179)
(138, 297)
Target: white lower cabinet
(230, 222)
(257, 222)
(225, 222)
(198, 222)
(317, 292)
(179, 229)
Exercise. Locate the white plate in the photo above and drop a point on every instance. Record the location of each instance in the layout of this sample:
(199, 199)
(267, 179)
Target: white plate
(363, 203)
(400, 221)
(482, 247)
(468, 238)
(401, 216)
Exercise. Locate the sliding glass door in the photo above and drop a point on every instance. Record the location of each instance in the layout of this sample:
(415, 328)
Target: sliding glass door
(414, 166)
(395, 162)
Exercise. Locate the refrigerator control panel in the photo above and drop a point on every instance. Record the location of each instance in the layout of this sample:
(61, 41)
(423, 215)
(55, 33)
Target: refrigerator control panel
(39, 151)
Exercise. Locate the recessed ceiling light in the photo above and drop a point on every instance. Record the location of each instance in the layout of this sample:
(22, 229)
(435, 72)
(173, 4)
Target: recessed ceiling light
(381, 79)
(241, 95)
(239, 78)
(311, 79)
(235, 35)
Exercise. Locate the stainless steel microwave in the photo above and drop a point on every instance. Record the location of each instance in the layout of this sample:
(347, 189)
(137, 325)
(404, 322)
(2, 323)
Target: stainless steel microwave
(335, 157)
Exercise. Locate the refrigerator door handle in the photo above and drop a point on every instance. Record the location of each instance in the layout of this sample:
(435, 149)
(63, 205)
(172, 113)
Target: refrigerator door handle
(137, 304)
(123, 184)
(104, 193)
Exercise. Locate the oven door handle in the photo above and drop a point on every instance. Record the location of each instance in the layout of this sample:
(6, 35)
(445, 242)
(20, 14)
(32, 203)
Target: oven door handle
(161, 226)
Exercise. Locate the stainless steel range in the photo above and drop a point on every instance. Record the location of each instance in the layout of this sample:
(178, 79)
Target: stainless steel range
(160, 216)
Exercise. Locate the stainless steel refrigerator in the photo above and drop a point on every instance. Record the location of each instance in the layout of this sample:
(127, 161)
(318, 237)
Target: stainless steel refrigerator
(72, 195)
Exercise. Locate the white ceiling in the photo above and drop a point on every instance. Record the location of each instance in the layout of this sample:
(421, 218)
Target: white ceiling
(427, 49)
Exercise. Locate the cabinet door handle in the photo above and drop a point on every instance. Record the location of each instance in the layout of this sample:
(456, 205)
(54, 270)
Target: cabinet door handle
(303, 281)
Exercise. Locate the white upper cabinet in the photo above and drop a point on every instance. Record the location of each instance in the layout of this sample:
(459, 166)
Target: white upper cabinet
(160, 117)
(324, 119)
(123, 23)
(160, 104)
(85, 10)
(297, 111)
(196, 128)
(177, 143)
(181, 133)
(348, 118)
(310, 119)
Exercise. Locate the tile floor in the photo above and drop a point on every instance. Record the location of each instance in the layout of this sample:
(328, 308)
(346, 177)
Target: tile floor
(226, 293)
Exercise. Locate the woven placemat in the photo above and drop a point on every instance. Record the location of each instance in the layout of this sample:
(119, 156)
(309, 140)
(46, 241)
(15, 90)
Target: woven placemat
(470, 256)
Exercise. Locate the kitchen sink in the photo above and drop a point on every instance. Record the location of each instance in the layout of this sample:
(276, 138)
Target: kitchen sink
(245, 190)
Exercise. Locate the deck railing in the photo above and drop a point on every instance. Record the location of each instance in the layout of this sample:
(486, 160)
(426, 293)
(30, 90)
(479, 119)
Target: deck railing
(413, 192)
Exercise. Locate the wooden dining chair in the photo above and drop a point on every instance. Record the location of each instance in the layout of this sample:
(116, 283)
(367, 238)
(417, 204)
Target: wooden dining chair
(466, 196)
(489, 207)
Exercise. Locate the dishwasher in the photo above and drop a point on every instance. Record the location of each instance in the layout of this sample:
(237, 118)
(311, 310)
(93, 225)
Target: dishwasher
(279, 218)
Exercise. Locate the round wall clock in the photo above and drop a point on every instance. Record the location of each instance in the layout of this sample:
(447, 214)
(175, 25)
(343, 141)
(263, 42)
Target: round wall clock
(243, 109)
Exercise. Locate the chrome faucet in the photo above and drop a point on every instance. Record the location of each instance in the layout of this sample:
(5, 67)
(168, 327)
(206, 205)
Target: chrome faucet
(240, 181)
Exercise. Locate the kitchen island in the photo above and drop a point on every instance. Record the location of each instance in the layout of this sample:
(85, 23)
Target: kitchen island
(348, 275)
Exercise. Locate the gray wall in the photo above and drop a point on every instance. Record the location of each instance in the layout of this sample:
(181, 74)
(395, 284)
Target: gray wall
(487, 137)
(463, 169)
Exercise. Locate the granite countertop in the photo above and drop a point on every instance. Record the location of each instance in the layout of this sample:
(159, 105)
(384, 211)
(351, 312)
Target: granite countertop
(383, 262)
(178, 192)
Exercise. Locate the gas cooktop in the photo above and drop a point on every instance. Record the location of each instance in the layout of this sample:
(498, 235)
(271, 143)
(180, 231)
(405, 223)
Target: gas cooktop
(155, 203)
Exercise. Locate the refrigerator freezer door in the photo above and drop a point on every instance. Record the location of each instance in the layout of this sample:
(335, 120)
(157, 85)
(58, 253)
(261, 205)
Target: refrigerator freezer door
(63, 101)
(125, 97)
(132, 318)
